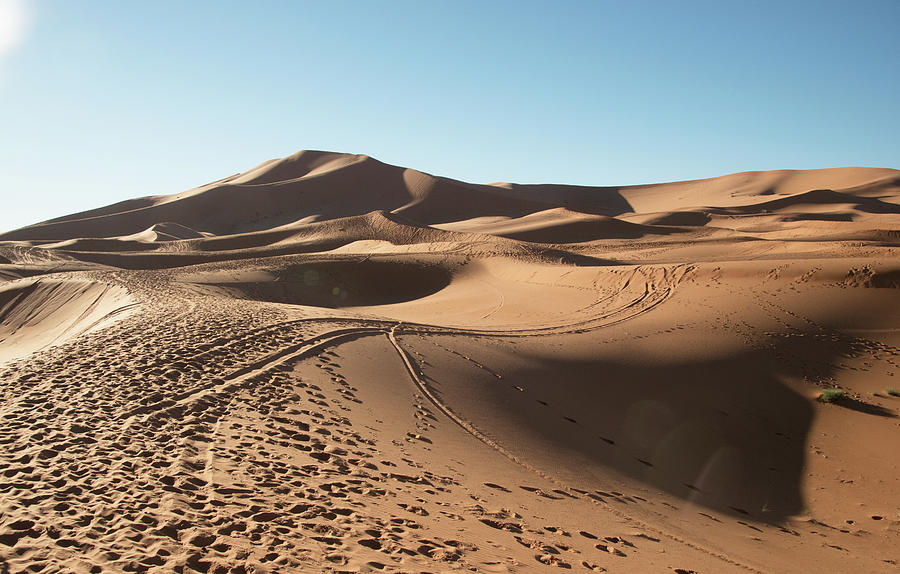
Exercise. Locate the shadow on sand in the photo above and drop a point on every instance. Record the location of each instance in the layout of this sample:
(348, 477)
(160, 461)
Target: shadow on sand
(728, 434)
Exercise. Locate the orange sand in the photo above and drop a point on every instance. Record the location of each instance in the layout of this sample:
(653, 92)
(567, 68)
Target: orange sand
(327, 363)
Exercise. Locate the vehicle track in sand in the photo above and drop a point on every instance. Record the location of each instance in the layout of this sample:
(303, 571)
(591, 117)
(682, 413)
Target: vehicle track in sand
(190, 375)
(416, 376)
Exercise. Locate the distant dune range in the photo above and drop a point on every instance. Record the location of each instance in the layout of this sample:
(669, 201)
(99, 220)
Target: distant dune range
(328, 363)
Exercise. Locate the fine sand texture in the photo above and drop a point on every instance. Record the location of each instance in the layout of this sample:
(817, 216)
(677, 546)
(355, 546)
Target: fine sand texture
(331, 364)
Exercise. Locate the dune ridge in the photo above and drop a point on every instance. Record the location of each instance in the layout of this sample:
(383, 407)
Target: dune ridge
(327, 363)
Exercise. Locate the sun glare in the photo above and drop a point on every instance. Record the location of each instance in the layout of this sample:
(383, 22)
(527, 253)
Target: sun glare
(12, 24)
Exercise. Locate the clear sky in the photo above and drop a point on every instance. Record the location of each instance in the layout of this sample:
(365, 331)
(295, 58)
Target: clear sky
(102, 101)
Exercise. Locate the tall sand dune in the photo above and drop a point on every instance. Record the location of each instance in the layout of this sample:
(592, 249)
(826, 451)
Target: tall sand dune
(331, 364)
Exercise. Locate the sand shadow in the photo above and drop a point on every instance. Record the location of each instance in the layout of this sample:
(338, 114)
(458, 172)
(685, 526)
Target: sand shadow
(585, 199)
(817, 217)
(863, 407)
(814, 197)
(723, 434)
(728, 434)
(341, 283)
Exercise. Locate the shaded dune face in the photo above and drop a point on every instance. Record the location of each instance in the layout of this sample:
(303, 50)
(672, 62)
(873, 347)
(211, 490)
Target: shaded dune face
(817, 197)
(607, 201)
(335, 284)
(583, 231)
(682, 218)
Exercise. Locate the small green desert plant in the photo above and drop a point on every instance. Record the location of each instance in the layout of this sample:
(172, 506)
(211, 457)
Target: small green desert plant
(893, 392)
(831, 395)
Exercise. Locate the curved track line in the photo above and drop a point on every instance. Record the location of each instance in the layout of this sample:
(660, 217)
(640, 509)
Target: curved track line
(238, 377)
(671, 276)
(423, 388)
(499, 305)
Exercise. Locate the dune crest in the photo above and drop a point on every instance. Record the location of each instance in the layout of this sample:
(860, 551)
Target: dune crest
(329, 363)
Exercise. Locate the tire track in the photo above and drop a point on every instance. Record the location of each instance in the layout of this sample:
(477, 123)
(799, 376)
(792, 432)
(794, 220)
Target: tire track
(239, 377)
(422, 387)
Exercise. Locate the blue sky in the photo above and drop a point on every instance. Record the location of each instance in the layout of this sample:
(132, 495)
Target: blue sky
(102, 101)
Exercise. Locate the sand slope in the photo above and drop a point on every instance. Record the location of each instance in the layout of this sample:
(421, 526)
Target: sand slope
(35, 313)
(327, 363)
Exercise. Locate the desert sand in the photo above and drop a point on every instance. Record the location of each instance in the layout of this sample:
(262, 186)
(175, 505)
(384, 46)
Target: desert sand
(328, 363)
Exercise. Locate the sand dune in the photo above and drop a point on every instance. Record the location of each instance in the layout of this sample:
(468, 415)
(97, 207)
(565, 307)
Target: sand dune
(36, 313)
(328, 363)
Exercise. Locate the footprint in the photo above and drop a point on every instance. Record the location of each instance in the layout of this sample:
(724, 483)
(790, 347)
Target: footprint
(645, 536)
(507, 526)
(370, 543)
(611, 550)
(497, 486)
(552, 560)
